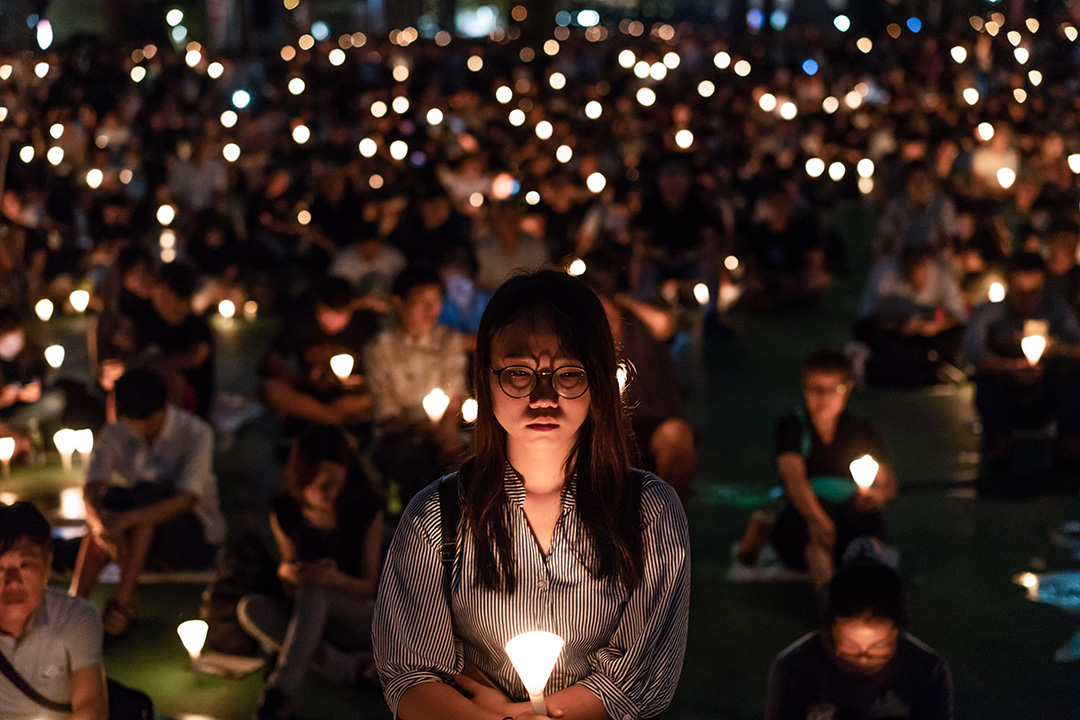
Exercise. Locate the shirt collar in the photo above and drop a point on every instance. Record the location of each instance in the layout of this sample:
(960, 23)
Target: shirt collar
(515, 488)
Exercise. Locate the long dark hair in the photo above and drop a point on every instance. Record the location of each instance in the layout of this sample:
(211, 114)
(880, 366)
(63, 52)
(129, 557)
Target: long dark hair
(609, 504)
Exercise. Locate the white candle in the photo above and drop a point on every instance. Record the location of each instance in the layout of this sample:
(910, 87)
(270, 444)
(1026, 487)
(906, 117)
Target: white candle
(864, 470)
(7, 449)
(44, 309)
(468, 410)
(65, 442)
(54, 355)
(84, 444)
(342, 365)
(1033, 347)
(435, 404)
(193, 634)
(533, 655)
(80, 300)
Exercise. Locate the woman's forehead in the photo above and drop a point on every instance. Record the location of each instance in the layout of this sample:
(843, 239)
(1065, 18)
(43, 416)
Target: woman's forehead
(529, 337)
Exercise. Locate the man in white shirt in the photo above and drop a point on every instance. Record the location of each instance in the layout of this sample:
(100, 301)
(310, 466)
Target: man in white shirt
(151, 495)
(51, 641)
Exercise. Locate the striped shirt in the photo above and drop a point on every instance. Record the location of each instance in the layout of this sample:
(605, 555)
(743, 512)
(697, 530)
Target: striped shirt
(626, 647)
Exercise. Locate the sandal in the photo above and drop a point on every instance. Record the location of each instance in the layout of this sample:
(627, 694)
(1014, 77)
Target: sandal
(116, 619)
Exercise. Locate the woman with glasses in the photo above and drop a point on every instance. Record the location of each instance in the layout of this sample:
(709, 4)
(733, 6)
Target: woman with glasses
(556, 533)
(861, 664)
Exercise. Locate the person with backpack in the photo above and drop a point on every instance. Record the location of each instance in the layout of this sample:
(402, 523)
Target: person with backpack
(546, 527)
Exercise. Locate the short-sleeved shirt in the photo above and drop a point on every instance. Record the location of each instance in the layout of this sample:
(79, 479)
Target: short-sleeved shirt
(807, 683)
(402, 370)
(181, 459)
(854, 438)
(62, 636)
(184, 337)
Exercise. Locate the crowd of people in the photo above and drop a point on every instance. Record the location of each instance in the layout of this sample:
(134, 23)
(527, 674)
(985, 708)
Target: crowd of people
(378, 195)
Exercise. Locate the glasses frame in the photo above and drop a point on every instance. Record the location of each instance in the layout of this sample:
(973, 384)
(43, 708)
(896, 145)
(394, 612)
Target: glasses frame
(537, 377)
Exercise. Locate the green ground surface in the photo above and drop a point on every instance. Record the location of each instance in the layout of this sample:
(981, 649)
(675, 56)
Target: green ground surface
(959, 550)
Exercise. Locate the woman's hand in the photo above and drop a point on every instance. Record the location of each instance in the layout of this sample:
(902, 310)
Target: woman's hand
(289, 572)
(487, 696)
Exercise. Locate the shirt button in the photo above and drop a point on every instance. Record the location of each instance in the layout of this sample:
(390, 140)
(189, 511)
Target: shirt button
(543, 584)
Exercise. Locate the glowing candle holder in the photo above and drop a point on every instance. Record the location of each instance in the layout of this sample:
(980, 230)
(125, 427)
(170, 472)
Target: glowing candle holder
(193, 634)
(80, 300)
(7, 449)
(1033, 347)
(227, 308)
(251, 310)
(533, 655)
(342, 365)
(1029, 581)
(435, 404)
(44, 309)
(65, 443)
(84, 444)
(54, 355)
(469, 410)
(864, 470)
(996, 293)
(577, 268)
(701, 294)
(72, 506)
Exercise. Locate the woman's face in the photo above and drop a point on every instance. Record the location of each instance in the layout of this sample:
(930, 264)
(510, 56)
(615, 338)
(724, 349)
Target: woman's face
(322, 493)
(542, 419)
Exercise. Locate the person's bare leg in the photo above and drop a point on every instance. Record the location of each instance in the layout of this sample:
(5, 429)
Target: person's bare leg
(819, 560)
(672, 444)
(89, 563)
(132, 563)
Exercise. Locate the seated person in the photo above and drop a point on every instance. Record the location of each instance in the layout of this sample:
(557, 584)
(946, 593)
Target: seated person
(815, 445)
(181, 343)
(785, 253)
(127, 308)
(861, 664)
(464, 302)
(652, 394)
(924, 216)
(1010, 391)
(52, 640)
(23, 401)
(328, 526)
(911, 317)
(151, 495)
(403, 365)
(1062, 272)
(370, 265)
(297, 380)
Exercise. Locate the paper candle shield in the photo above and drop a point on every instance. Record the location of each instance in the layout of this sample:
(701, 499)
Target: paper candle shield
(533, 655)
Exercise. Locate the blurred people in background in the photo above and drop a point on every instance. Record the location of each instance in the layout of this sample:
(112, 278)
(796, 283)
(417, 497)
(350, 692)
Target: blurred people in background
(404, 364)
(824, 510)
(327, 524)
(297, 380)
(924, 216)
(1011, 391)
(25, 401)
(911, 319)
(151, 495)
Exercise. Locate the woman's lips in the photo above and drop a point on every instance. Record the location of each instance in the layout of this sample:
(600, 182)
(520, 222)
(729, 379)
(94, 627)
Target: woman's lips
(542, 426)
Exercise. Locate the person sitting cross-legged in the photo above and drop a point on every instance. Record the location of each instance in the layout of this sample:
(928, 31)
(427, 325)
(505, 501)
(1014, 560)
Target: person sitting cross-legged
(815, 446)
(151, 495)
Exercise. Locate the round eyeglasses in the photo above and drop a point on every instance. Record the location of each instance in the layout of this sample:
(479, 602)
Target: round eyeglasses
(519, 381)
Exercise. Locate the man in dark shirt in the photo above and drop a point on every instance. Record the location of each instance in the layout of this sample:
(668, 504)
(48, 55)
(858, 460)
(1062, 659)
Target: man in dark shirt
(815, 446)
(181, 342)
(297, 379)
(862, 664)
(1011, 391)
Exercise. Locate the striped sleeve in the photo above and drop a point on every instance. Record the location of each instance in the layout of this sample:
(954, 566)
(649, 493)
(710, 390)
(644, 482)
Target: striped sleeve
(636, 674)
(412, 631)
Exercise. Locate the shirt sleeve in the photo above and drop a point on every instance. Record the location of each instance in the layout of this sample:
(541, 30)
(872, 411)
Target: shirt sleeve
(84, 636)
(937, 702)
(412, 629)
(196, 472)
(635, 676)
(102, 456)
(789, 436)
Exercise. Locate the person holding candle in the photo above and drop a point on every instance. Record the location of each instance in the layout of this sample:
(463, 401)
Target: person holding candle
(297, 380)
(1011, 391)
(861, 664)
(815, 445)
(151, 495)
(404, 365)
(328, 527)
(556, 533)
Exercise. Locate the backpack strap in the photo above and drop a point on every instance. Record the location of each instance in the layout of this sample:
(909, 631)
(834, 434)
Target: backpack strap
(449, 519)
(28, 690)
